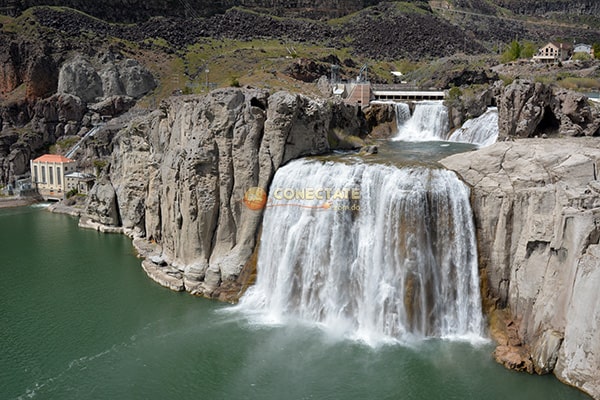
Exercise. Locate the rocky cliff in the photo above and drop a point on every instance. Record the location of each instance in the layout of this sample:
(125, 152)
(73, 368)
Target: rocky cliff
(88, 88)
(528, 109)
(537, 209)
(179, 176)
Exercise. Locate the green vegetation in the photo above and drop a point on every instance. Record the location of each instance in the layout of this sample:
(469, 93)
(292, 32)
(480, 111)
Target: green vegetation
(581, 57)
(234, 82)
(596, 49)
(579, 83)
(454, 93)
(517, 50)
(414, 8)
(99, 165)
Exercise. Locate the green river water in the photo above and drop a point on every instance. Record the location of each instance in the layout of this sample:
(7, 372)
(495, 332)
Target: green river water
(80, 320)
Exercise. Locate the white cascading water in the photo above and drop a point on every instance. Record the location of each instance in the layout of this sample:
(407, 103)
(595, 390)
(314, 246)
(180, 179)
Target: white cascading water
(482, 131)
(402, 113)
(398, 263)
(429, 122)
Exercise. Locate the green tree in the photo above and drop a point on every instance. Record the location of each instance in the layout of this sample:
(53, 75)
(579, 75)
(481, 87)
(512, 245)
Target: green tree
(581, 56)
(596, 48)
(528, 49)
(512, 53)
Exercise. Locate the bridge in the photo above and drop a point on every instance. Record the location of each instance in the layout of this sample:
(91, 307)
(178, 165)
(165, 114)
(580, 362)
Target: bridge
(406, 92)
(364, 93)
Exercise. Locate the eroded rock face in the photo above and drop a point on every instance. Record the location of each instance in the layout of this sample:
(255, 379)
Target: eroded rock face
(537, 209)
(109, 76)
(29, 63)
(527, 109)
(180, 175)
(103, 199)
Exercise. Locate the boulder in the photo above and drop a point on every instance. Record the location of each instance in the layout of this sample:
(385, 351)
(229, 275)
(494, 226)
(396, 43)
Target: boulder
(113, 105)
(109, 76)
(527, 109)
(101, 206)
(545, 352)
(135, 79)
(521, 108)
(79, 78)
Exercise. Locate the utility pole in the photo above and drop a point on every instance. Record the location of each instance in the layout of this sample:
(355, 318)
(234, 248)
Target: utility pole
(207, 84)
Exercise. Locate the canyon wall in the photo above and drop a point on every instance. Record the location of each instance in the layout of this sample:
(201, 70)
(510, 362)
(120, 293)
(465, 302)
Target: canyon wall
(177, 178)
(537, 210)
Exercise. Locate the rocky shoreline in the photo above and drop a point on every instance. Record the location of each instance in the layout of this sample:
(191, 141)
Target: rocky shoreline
(12, 202)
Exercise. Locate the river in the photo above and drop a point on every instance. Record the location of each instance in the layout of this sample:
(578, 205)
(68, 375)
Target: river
(80, 320)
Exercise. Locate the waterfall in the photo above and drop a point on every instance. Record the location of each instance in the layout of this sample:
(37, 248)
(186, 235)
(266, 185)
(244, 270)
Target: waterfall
(373, 251)
(402, 114)
(482, 131)
(428, 122)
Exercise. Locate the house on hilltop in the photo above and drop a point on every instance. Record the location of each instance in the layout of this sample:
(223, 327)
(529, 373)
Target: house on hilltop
(582, 48)
(554, 52)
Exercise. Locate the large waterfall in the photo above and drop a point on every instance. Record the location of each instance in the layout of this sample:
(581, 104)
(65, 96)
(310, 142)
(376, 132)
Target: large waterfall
(428, 122)
(374, 251)
(482, 131)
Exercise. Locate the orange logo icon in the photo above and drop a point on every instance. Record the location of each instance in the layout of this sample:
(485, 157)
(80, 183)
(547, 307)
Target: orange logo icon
(255, 198)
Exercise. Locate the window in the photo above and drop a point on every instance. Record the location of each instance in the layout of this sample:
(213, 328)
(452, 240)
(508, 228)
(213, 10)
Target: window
(58, 177)
(50, 175)
(43, 174)
(35, 174)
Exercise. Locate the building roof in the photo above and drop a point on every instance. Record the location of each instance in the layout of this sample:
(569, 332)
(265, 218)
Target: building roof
(54, 158)
(564, 45)
(80, 176)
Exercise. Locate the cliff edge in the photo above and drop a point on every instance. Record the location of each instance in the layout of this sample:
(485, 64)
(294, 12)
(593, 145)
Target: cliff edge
(177, 179)
(537, 210)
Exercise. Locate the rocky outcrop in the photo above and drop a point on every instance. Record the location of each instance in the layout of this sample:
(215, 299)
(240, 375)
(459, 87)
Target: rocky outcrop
(113, 76)
(381, 120)
(180, 175)
(528, 109)
(468, 104)
(29, 126)
(28, 63)
(537, 209)
(103, 200)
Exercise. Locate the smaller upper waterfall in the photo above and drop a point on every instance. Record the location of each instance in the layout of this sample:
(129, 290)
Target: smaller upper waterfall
(402, 113)
(428, 122)
(482, 131)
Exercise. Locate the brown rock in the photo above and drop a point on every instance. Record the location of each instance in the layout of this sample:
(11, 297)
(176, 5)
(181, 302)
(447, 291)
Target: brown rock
(514, 357)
